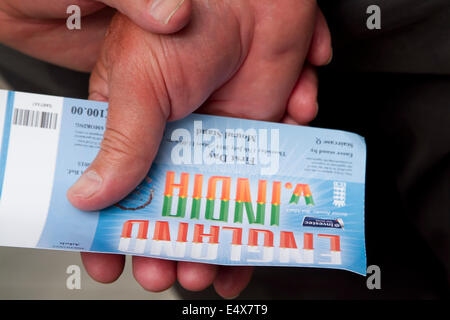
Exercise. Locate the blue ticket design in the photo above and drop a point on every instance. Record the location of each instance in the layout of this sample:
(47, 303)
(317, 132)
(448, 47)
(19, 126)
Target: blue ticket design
(221, 190)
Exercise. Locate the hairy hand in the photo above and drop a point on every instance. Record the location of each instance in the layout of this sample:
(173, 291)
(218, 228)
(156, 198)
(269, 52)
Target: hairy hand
(38, 27)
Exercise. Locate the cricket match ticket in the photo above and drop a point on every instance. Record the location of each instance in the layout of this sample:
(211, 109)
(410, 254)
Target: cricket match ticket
(221, 190)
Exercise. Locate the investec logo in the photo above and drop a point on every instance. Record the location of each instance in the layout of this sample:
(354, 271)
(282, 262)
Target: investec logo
(232, 146)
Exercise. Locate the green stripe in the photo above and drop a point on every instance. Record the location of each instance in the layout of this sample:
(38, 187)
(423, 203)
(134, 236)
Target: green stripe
(224, 207)
(250, 214)
(260, 213)
(209, 213)
(167, 207)
(275, 215)
(195, 211)
(294, 198)
(223, 215)
(309, 200)
(181, 209)
(238, 212)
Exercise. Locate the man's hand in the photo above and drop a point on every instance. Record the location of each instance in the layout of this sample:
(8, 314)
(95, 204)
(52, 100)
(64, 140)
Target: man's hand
(237, 58)
(38, 27)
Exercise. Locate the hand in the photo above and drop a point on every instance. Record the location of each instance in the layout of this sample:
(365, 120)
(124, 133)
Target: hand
(38, 27)
(242, 59)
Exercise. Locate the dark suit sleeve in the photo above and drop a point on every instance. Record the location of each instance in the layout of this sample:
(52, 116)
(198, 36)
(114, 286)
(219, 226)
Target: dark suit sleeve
(414, 36)
(349, 17)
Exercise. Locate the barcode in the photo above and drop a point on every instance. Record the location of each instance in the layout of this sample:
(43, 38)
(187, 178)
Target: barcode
(33, 118)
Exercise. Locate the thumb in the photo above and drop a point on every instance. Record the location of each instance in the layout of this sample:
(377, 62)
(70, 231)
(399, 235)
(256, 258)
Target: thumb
(134, 130)
(320, 50)
(157, 16)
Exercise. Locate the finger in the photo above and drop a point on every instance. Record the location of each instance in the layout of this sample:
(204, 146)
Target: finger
(98, 84)
(158, 16)
(196, 276)
(154, 275)
(287, 119)
(272, 67)
(320, 52)
(50, 40)
(102, 267)
(230, 281)
(131, 139)
(302, 105)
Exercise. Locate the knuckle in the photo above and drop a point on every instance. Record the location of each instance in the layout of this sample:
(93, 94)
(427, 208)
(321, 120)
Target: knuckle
(118, 148)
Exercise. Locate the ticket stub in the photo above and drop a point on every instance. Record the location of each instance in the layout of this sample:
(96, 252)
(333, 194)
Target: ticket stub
(221, 190)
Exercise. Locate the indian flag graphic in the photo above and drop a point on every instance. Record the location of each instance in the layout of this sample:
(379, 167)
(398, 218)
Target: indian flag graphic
(298, 191)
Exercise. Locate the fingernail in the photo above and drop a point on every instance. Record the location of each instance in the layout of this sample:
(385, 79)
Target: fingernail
(232, 298)
(330, 59)
(163, 10)
(88, 184)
